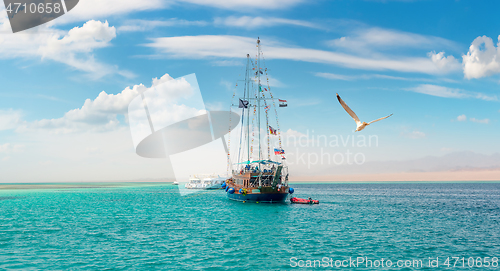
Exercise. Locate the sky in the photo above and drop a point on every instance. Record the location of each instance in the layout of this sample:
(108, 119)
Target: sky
(66, 85)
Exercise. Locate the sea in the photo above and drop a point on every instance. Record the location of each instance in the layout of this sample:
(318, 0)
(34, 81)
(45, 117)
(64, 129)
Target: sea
(362, 226)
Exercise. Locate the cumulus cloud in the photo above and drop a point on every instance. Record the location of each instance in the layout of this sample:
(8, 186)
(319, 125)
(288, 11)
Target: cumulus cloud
(462, 118)
(446, 92)
(101, 113)
(91, 142)
(444, 64)
(210, 46)
(482, 59)
(254, 22)
(73, 48)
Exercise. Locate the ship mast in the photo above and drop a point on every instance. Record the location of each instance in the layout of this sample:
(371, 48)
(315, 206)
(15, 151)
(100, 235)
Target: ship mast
(247, 96)
(258, 90)
(247, 91)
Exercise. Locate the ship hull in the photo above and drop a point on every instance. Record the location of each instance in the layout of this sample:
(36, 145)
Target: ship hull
(264, 198)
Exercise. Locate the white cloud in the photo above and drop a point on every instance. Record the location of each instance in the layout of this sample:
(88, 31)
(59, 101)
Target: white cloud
(99, 114)
(446, 92)
(98, 9)
(92, 9)
(145, 25)
(73, 48)
(483, 121)
(370, 39)
(343, 77)
(444, 64)
(255, 22)
(462, 118)
(335, 76)
(254, 4)
(9, 119)
(238, 47)
(227, 63)
(89, 144)
(482, 59)
(376, 41)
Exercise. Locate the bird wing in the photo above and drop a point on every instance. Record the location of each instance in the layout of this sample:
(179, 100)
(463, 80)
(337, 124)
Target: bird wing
(349, 111)
(378, 119)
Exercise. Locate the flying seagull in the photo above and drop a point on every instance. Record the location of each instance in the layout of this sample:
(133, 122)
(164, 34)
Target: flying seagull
(360, 125)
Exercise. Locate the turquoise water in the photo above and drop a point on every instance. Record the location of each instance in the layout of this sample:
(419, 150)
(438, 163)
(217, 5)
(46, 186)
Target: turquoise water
(152, 227)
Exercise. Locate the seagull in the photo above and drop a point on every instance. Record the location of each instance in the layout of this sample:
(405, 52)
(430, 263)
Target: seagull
(360, 125)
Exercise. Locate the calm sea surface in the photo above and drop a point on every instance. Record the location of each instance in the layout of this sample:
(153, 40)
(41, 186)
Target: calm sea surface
(153, 227)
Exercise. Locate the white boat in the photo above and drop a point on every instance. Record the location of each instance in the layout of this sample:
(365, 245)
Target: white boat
(205, 182)
(175, 183)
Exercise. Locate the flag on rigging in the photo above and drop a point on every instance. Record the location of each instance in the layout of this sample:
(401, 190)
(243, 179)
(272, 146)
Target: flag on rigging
(282, 103)
(272, 131)
(279, 151)
(243, 104)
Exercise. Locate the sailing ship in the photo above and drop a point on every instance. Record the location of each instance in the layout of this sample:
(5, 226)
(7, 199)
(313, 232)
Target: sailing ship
(259, 174)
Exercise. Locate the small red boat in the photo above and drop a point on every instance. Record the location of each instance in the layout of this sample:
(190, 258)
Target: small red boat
(304, 201)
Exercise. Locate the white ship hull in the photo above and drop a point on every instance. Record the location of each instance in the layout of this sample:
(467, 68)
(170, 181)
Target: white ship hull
(205, 183)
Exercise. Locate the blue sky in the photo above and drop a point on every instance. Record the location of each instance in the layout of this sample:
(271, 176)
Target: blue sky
(434, 65)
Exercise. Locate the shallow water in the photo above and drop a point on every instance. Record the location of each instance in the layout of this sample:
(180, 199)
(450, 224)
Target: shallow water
(153, 227)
